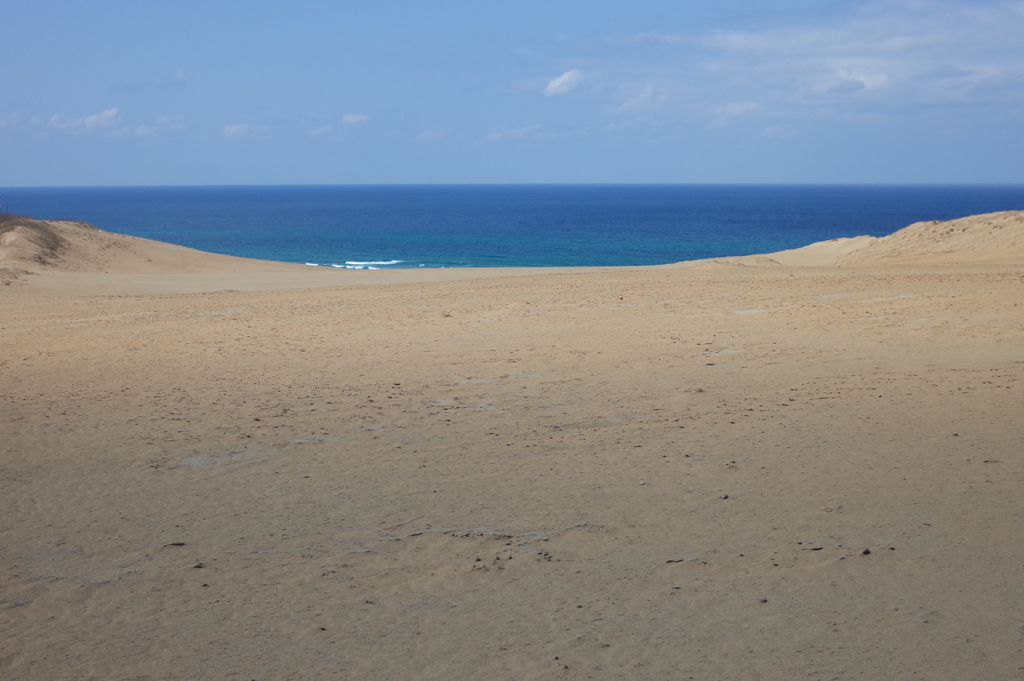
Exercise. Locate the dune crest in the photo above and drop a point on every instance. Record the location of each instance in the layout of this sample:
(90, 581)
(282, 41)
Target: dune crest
(74, 255)
(988, 238)
(29, 245)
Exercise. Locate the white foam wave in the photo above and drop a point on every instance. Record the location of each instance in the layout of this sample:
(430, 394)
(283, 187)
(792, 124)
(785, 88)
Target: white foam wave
(359, 265)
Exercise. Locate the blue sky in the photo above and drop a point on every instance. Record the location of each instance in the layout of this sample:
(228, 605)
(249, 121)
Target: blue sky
(109, 92)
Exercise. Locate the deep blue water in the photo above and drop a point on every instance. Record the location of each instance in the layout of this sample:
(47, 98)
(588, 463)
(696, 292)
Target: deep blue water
(505, 225)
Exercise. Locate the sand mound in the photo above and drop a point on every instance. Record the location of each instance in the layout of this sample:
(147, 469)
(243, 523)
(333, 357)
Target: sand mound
(989, 238)
(28, 245)
(993, 238)
(28, 242)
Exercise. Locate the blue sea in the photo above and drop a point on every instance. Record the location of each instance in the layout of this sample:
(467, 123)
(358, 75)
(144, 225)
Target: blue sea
(504, 225)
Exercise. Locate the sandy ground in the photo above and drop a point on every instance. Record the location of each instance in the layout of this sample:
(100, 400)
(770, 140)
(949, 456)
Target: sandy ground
(802, 465)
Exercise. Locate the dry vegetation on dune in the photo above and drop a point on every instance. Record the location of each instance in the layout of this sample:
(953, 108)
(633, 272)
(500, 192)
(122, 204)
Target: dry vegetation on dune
(59, 247)
(26, 242)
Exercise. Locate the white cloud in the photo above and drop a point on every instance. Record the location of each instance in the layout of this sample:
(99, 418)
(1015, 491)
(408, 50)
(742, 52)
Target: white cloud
(322, 128)
(775, 131)
(321, 131)
(564, 84)
(428, 136)
(236, 131)
(108, 121)
(736, 109)
(9, 120)
(647, 97)
(507, 133)
(864, 60)
(162, 125)
(99, 121)
(103, 119)
(653, 37)
(354, 119)
(177, 78)
(725, 114)
(887, 51)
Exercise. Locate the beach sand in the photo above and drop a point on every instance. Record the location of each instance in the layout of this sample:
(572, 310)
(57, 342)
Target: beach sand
(799, 465)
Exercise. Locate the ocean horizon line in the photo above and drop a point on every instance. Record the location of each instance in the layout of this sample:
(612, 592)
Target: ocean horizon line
(896, 185)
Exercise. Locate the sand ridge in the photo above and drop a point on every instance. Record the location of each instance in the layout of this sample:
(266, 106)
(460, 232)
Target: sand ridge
(994, 238)
(704, 470)
(71, 255)
(990, 238)
(80, 247)
(68, 257)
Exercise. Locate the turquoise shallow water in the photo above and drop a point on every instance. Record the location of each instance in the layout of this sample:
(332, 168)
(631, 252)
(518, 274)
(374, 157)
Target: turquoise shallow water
(499, 226)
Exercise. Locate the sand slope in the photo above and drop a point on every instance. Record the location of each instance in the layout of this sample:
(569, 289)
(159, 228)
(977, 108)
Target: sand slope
(990, 238)
(80, 247)
(71, 256)
(701, 471)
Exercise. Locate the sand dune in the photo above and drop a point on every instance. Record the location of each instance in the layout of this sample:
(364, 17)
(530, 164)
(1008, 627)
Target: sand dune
(991, 238)
(35, 246)
(67, 252)
(80, 247)
(72, 256)
(995, 238)
(703, 470)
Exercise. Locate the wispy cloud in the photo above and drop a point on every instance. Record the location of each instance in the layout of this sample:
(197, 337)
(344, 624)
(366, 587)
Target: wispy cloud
(95, 122)
(564, 84)
(103, 119)
(174, 79)
(651, 37)
(777, 131)
(921, 53)
(321, 131)
(725, 114)
(10, 120)
(509, 133)
(868, 60)
(736, 109)
(236, 131)
(643, 98)
(434, 135)
(108, 122)
(162, 125)
(324, 126)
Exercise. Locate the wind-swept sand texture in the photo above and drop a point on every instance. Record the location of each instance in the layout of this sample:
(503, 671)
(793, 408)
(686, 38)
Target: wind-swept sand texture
(733, 469)
(994, 238)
